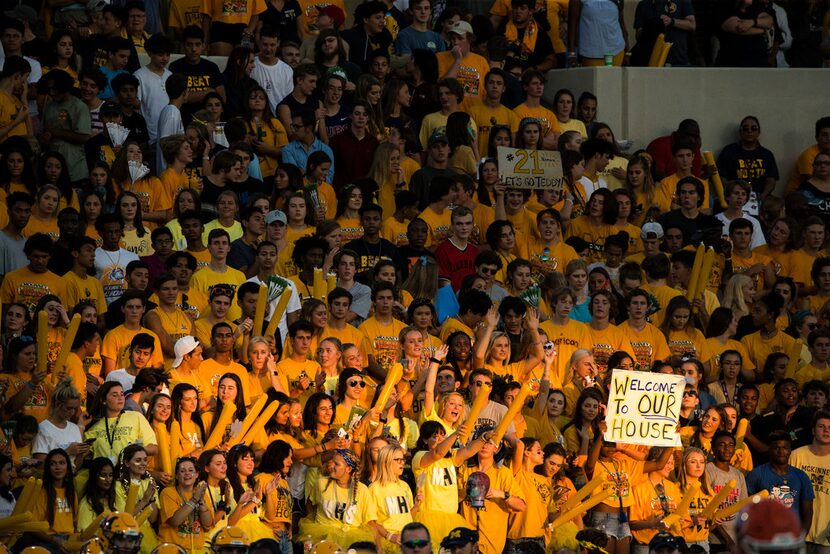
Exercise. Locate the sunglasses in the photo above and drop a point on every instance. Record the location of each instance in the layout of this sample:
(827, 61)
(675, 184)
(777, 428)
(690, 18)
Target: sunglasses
(812, 326)
(356, 383)
(482, 383)
(420, 543)
(689, 393)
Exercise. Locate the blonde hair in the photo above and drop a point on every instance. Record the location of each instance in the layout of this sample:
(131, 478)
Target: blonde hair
(386, 476)
(442, 405)
(733, 293)
(64, 392)
(381, 171)
(493, 337)
(683, 479)
(578, 355)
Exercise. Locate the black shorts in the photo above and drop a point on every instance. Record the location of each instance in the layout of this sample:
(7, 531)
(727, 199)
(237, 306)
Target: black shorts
(226, 32)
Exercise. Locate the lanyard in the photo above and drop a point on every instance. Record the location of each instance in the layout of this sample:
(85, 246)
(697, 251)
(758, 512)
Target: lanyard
(111, 439)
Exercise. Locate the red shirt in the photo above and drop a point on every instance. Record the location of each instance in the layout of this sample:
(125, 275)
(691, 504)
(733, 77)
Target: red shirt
(660, 150)
(455, 264)
(352, 157)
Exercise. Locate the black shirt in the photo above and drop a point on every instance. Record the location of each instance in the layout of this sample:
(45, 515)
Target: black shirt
(362, 47)
(370, 254)
(753, 166)
(693, 229)
(800, 428)
(94, 53)
(285, 21)
(200, 77)
(137, 126)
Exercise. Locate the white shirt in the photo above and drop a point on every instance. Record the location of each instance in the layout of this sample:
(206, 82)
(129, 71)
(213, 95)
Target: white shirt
(277, 80)
(169, 123)
(121, 376)
(49, 437)
(590, 187)
(757, 233)
(293, 304)
(111, 269)
(153, 97)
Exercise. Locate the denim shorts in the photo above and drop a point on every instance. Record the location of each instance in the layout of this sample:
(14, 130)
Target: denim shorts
(610, 523)
(518, 545)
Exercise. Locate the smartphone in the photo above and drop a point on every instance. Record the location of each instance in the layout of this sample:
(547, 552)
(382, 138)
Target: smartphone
(90, 441)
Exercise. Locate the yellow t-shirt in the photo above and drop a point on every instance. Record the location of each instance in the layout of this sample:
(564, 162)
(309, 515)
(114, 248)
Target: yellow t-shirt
(203, 387)
(232, 12)
(544, 115)
(651, 504)
(574, 124)
(151, 194)
(486, 117)
(438, 225)
(10, 106)
(336, 507)
(712, 349)
(189, 534)
(440, 483)
(435, 121)
(759, 348)
(289, 371)
(594, 235)
(568, 338)
(668, 188)
(38, 404)
(116, 346)
(140, 246)
(686, 342)
(75, 371)
(390, 505)
(205, 279)
(649, 345)
(273, 134)
(816, 468)
(394, 231)
(64, 522)
(113, 434)
(184, 13)
(309, 10)
(620, 476)
(617, 162)
(87, 288)
(471, 72)
(173, 182)
(24, 286)
(546, 259)
(494, 516)
(538, 495)
(606, 342)
(351, 229)
(382, 340)
(742, 265)
(36, 225)
(211, 371)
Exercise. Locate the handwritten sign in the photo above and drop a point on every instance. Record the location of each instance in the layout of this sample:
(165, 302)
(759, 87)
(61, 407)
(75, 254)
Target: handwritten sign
(643, 408)
(530, 169)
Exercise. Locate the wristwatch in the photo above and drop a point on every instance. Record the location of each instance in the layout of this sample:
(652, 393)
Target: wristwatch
(506, 496)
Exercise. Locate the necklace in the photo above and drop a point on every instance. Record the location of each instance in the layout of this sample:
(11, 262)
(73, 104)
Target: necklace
(111, 438)
(117, 261)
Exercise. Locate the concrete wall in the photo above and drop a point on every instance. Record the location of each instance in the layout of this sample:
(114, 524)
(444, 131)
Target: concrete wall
(643, 103)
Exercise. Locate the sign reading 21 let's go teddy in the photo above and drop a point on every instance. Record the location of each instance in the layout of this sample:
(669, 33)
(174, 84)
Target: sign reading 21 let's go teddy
(644, 408)
(530, 169)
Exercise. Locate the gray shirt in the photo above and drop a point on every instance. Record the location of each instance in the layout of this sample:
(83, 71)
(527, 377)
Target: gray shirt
(11, 253)
(718, 479)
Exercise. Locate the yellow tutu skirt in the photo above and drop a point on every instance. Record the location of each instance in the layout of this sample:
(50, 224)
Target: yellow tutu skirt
(255, 528)
(440, 524)
(564, 537)
(149, 541)
(343, 535)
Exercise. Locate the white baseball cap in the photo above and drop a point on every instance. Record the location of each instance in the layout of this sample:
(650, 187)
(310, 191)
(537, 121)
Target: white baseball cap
(652, 230)
(182, 348)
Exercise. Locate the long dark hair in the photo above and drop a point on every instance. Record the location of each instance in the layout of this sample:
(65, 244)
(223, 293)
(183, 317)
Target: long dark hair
(176, 398)
(343, 380)
(98, 406)
(273, 460)
(578, 421)
(64, 183)
(240, 412)
(204, 461)
(49, 486)
(234, 73)
(138, 218)
(457, 130)
(15, 347)
(310, 411)
(51, 58)
(28, 176)
(124, 458)
(234, 455)
(427, 431)
(271, 426)
(6, 492)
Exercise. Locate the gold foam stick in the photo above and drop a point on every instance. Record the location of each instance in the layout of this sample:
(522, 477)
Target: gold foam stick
(683, 508)
(692, 291)
(721, 495)
(259, 314)
(282, 304)
(475, 409)
(736, 507)
(583, 493)
(709, 158)
(132, 497)
(225, 419)
(249, 420)
(510, 415)
(165, 462)
(581, 508)
(318, 284)
(66, 347)
(92, 528)
(740, 433)
(42, 340)
(392, 377)
(260, 422)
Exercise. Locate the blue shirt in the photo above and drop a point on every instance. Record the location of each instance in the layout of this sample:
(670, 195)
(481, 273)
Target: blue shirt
(110, 74)
(409, 39)
(790, 489)
(295, 153)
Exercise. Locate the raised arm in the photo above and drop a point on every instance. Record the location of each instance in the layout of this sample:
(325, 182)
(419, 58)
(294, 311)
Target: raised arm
(440, 354)
(483, 340)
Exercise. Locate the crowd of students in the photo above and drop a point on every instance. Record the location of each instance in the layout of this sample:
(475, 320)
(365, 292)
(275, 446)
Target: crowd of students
(256, 307)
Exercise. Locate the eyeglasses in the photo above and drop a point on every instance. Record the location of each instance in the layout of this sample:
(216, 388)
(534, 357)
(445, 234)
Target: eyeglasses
(482, 383)
(812, 326)
(690, 393)
(419, 543)
(398, 460)
(357, 383)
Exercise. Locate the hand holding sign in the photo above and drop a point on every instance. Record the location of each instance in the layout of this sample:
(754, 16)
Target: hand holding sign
(530, 169)
(644, 408)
